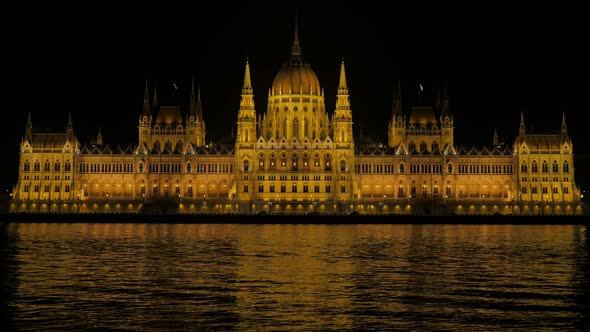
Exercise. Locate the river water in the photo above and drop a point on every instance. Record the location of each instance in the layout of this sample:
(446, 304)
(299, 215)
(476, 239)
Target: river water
(239, 277)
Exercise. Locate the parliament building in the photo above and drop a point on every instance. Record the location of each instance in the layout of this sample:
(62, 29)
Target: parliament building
(297, 157)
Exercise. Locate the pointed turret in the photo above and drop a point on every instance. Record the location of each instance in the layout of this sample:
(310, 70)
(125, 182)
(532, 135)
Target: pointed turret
(342, 102)
(495, 140)
(247, 114)
(146, 102)
(522, 128)
(342, 117)
(397, 100)
(247, 101)
(445, 105)
(155, 102)
(563, 126)
(99, 137)
(29, 129)
(70, 128)
(195, 108)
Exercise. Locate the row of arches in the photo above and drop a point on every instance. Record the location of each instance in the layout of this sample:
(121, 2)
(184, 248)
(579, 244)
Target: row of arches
(293, 162)
(47, 166)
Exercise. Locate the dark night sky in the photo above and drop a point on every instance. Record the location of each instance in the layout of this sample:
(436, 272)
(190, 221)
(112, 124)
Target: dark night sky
(92, 61)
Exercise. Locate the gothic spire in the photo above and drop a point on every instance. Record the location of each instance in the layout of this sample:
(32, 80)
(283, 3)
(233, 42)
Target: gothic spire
(522, 128)
(342, 102)
(397, 100)
(146, 101)
(563, 125)
(445, 105)
(70, 128)
(29, 129)
(247, 102)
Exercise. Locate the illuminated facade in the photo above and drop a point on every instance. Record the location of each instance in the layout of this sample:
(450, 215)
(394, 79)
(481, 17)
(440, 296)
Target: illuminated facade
(296, 158)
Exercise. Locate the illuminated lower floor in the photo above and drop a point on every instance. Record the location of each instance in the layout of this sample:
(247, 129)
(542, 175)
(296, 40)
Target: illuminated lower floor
(418, 207)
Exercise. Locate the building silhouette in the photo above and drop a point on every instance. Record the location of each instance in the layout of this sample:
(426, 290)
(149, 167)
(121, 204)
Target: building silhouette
(297, 157)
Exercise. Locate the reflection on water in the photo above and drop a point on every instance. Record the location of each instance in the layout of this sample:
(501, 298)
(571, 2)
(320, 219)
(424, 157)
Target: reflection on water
(293, 277)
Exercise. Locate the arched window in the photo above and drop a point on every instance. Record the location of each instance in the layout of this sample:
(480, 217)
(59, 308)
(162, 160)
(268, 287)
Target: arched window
(295, 127)
(555, 166)
(450, 168)
(401, 168)
(283, 160)
(566, 167)
(261, 162)
(27, 166)
(246, 165)
(523, 167)
(273, 160)
(294, 160)
(316, 160)
(342, 165)
(305, 160)
(534, 167)
(545, 166)
(37, 166)
(141, 168)
(423, 146)
(327, 162)
(57, 166)
(189, 168)
(47, 166)
(68, 166)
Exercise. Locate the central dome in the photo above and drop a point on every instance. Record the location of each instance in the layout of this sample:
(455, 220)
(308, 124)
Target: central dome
(296, 77)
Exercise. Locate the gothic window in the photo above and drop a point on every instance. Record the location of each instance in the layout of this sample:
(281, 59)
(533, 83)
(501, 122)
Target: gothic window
(401, 168)
(67, 166)
(316, 160)
(261, 162)
(294, 159)
(450, 168)
(47, 166)
(327, 162)
(305, 160)
(140, 168)
(189, 168)
(555, 166)
(545, 167)
(27, 166)
(283, 160)
(523, 167)
(246, 166)
(273, 160)
(411, 146)
(295, 126)
(423, 146)
(57, 166)
(342, 166)
(534, 167)
(37, 166)
(566, 167)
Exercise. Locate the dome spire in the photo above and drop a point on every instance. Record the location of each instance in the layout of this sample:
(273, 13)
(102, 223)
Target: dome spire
(296, 48)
